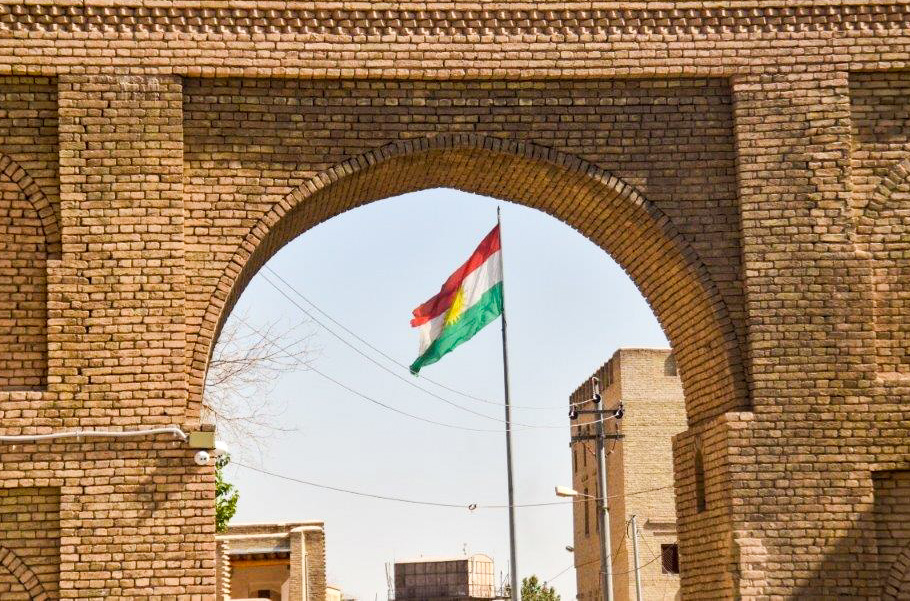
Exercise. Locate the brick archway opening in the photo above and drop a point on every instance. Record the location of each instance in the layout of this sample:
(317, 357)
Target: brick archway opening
(641, 239)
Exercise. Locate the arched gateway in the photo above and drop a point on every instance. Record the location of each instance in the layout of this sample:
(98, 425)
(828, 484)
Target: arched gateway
(741, 162)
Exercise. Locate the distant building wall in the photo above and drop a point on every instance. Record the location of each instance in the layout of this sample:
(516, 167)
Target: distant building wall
(444, 579)
(640, 475)
(333, 593)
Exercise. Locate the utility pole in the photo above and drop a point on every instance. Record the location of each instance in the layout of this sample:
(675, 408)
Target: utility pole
(603, 496)
(637, 565)
(606, 552)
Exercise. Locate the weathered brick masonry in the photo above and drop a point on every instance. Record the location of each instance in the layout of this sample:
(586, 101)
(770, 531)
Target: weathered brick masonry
(746, 162)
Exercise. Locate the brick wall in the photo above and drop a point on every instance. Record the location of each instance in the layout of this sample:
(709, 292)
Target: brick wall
(880, 171)
(745, 163)
(891, 523)
(29, 542)
(23, 291)
(253, 144)
(29, 234)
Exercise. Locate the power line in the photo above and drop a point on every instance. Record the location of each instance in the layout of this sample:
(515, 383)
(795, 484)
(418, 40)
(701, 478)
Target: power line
(374, 361)
(388, 357)
(395, 409)
(364, 396)
(521, 426)
(371, 399)
(597, 560)
(449, 505)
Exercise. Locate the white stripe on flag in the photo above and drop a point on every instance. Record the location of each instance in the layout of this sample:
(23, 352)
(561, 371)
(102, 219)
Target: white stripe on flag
(475, 285)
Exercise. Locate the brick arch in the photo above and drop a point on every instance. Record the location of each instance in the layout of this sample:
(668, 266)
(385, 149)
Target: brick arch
(21, 572)
(40, 203)
(29, 237)
(880, 235)
(881, 195)
(897, 585)
(640, 237)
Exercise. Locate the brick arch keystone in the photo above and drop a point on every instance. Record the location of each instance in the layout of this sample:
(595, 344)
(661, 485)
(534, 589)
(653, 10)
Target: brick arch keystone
(40, 203)
(24, 574)
(612, 214)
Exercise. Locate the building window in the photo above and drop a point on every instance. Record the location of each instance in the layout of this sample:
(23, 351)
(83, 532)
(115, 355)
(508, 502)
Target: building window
(587, 517)
(267, 594)
(669, 559)
(701, 502)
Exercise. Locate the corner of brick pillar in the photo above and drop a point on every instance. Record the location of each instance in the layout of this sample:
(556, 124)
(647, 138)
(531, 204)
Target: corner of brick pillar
(222, 570)
(748, 567)
(307, 580)
(297, 589)
(720, 554)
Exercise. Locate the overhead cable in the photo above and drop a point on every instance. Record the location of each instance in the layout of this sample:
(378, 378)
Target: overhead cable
(388, 357)
(470, 506)
(408, 381)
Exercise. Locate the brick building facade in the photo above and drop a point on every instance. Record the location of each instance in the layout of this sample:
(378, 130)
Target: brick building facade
(746, 163)
(282, 562)
(640, 475)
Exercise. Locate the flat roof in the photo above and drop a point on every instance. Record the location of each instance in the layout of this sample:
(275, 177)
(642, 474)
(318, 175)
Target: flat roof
(445, 559)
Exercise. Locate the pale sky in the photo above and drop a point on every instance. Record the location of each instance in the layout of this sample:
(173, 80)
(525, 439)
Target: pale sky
(569, 307)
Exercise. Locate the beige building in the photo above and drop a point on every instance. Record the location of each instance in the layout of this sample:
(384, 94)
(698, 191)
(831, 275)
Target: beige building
(646, 382)
(279, 562)
(445, 579)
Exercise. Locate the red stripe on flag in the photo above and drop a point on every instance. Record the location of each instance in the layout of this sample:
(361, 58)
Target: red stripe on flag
(440, 303)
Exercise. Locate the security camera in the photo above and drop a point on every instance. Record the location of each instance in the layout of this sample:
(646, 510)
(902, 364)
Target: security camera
(573, 413)
(202, 458)
(220, 449)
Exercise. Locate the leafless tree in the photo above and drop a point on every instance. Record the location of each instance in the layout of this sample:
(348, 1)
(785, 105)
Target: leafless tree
(246, 365)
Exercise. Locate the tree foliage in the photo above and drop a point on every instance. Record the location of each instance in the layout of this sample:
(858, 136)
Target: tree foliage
(534, 590)
(226, 496)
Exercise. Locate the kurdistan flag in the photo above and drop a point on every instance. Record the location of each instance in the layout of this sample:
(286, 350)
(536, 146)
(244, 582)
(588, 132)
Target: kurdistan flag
(470, 299)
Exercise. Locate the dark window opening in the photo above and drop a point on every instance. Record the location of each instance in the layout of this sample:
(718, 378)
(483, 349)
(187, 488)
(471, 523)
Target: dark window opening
(701, 502)
(267, 594)
(587, 517)
(669, 559)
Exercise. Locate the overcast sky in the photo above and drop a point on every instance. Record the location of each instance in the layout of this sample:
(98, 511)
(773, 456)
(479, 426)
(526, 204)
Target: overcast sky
(569, 306)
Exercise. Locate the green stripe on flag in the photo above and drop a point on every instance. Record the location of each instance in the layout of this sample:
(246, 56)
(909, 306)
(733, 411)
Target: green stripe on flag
(478, 315)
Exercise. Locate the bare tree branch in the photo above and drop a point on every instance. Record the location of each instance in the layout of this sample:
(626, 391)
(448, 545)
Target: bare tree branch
(246, 365)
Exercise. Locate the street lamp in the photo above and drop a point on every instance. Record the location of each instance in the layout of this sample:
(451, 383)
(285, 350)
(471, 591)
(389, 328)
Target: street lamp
(565, 491)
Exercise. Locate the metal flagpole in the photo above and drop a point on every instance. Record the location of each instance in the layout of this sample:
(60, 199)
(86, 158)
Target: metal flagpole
(516, 591)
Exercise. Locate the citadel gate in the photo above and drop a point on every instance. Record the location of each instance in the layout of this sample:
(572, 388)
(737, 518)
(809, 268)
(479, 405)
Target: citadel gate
(748, 166)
